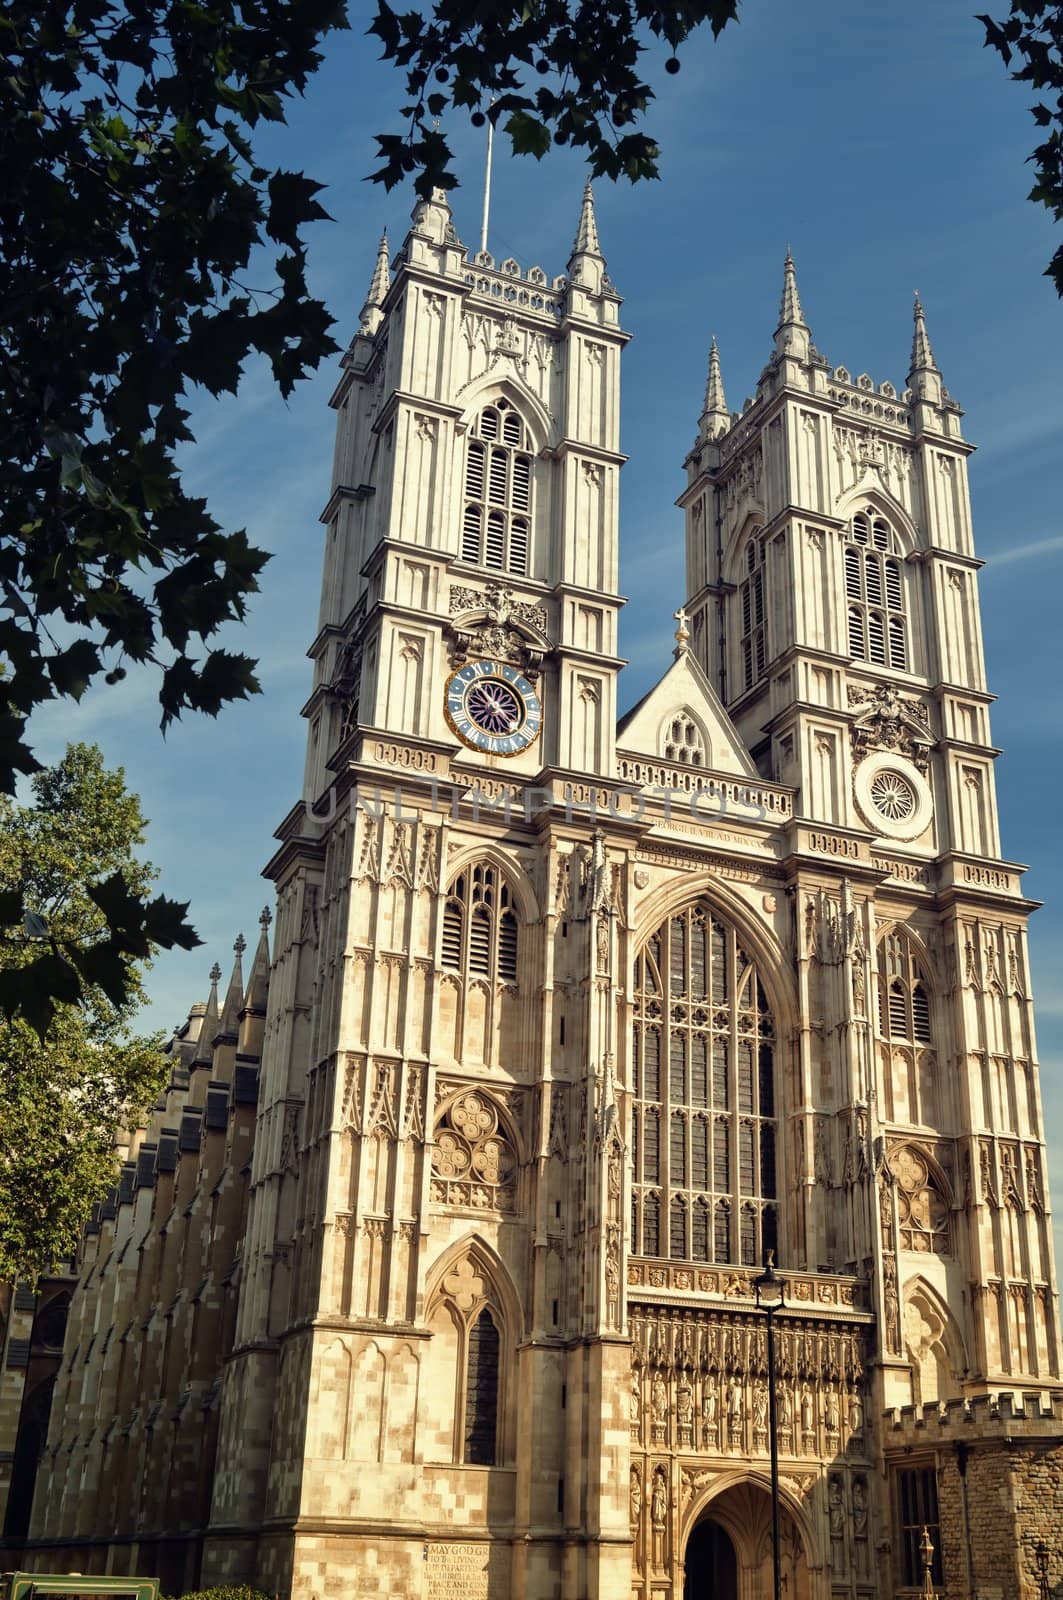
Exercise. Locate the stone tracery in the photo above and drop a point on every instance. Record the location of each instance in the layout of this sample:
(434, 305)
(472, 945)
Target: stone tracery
(474, 1162)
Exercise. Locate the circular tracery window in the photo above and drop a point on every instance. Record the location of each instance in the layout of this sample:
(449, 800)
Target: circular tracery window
(474, 1163)
(893, 796)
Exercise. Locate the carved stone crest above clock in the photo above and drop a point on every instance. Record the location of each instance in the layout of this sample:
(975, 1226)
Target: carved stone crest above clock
(884, 719)
(490, 623)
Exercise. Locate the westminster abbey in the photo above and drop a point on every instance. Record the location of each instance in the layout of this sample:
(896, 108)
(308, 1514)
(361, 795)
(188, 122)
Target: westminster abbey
(432, 1274)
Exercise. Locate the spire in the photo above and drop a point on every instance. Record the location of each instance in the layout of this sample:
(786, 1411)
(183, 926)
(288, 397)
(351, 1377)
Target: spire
(586, 264)
(792, 336)
(258, 983)
(209, 1026)
(715, 417)
(372, 316)
(587, 233)
(229, 1024)
(924, 379)
(790, 312)
(922, 354)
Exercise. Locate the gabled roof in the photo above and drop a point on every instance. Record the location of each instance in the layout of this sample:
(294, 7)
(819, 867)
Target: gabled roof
(685, 688)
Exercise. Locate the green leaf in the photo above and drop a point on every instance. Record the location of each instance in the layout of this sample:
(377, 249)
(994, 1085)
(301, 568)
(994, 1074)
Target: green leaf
(73, 669)
(530, 136)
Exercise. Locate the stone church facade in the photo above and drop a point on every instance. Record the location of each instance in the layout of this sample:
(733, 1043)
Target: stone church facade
(433, 1273)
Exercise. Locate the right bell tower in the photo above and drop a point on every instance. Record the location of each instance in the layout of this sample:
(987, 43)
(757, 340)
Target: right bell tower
(833, 604)
(833, 591)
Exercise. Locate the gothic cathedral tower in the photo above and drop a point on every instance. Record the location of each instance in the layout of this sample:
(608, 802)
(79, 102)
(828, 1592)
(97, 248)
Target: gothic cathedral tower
(572, 1024)
(429, 1327)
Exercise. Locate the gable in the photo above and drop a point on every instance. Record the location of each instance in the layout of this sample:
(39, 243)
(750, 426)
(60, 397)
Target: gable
(682, 719)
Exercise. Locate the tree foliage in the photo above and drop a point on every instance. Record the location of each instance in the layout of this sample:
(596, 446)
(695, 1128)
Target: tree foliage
(548, 71)
(1032, 33)
(64, 1095)
(131, 207)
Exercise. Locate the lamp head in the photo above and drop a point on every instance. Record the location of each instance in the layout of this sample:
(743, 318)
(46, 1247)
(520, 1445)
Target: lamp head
(769, 1287)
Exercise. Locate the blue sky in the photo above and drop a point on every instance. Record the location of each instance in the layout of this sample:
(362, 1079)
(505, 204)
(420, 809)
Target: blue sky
(887, 148)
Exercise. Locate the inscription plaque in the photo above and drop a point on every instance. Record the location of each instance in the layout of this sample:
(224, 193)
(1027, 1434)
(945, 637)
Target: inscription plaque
(466, 1572)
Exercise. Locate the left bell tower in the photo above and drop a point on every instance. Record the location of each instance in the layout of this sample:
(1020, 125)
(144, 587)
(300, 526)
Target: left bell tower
(404, 1312)
(473, 513)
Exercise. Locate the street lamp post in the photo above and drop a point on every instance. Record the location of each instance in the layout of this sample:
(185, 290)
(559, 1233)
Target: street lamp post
(1041, 1554)
(926, 1550)
(771, 1297)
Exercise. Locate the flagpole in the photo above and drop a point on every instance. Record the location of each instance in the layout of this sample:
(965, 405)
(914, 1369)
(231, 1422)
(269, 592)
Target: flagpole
(487, 181)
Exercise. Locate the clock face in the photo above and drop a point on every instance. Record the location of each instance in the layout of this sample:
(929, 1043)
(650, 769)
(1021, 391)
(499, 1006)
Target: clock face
(492, 707)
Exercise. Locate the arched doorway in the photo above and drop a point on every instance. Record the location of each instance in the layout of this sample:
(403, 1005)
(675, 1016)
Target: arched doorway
(729, 1550)
(711, 1565)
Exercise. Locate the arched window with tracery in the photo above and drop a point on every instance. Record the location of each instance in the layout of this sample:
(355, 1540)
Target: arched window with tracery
(905, 1029)
(474, 1163)
(682, 741)
(497, 508)
(480, 925)
(704, 1130)
(922, 1211)
(481, 1392)
(754, 617)
(874, 592)
(465, 1367)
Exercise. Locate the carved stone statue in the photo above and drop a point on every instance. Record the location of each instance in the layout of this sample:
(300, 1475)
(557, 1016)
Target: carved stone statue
(709, 1407)
(831, 1412)
(856, 1415)
(808, 1416)
(636, 1400)
(659, 1399)
(860, 1507)
(684, 1403)
(786, 1418)
(659, 1501)
(760, 1407)
(835, 1509)
(734, 1410)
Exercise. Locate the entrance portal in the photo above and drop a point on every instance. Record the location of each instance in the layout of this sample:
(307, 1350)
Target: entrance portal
(711, 1567)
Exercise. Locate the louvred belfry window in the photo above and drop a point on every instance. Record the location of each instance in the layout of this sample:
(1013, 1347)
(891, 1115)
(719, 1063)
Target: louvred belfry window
(497, 507)
(874, 592)
(914, 1088)
(753, 613)
(480, 932)
(903, 992)
(705, 1183)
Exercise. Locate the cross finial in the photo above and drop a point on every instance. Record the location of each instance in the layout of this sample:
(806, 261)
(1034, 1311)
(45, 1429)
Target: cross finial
(682, 632)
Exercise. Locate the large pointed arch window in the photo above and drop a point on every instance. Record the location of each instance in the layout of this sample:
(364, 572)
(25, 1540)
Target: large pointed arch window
(874, 592)
(480, 925)
(497, 509)
(466, 1368)
(705, 1181)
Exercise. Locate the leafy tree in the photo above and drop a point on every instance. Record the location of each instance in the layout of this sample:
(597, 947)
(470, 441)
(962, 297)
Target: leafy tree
(131, 205)
(64, 1096)
(557, 72)
(1033, 32)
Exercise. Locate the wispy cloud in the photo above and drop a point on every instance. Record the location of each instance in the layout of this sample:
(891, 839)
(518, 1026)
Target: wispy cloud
(1024, 552)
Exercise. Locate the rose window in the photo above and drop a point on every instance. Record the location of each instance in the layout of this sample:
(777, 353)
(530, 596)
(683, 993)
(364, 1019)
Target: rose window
(474, 1163)
(893, 796)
